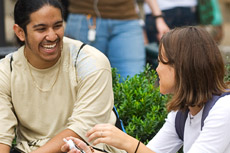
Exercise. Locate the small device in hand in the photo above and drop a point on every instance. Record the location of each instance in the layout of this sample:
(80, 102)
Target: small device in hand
(72, 145)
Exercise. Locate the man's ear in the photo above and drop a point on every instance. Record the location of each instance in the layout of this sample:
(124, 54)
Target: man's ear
(19, 32)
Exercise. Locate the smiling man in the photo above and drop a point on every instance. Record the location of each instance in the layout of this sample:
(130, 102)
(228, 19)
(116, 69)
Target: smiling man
(51, 87)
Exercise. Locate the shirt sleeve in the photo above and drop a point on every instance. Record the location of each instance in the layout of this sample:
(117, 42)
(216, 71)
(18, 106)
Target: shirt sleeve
(166, 140)
(8, 120)
(215, 135)
(95, 99)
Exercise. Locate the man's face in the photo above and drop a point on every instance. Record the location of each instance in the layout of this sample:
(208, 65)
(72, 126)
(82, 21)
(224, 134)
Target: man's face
(43, 41)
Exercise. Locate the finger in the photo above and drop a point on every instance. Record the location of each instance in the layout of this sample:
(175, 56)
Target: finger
(98, 127)
(96, 135)
(99, 140)
(74, 151)
(95, 128)
(102, 140)
(82, 145)
(65, 148)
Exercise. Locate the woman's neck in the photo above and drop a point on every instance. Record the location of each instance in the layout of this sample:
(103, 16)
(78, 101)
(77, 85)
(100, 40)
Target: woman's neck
(194, 110)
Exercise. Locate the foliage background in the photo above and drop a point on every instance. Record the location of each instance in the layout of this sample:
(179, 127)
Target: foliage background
(140, 104)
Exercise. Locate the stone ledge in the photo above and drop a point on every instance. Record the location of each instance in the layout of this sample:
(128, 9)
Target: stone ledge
(6, 50)
(225, 51)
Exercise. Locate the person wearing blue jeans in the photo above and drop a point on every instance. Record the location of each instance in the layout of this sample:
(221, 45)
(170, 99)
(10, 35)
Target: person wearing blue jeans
(120, 40)
(175, 13)
(113, 27)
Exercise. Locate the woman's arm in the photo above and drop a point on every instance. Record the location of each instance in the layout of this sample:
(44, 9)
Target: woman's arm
(166, 139)
(109, 134)
(130, 144)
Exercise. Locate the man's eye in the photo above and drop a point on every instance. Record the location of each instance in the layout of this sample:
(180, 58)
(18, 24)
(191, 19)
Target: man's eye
(58, 26)
(40, 29)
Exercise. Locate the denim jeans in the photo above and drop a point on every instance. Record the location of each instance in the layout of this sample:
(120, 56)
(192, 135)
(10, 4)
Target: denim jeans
(176, 17)
(120, 40)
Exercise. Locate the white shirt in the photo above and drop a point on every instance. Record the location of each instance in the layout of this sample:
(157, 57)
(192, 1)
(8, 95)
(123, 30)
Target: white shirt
(214, 137)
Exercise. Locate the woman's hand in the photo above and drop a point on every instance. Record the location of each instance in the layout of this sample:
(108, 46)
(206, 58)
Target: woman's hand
(109, 134)
(79, 143)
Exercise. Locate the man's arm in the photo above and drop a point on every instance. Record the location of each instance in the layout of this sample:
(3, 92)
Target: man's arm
(54, 145)
(4, 148)
(8, 120)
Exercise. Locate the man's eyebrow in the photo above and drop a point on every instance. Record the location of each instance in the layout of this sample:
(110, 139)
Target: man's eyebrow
(38, 25)
(42, 25)
(58, 22)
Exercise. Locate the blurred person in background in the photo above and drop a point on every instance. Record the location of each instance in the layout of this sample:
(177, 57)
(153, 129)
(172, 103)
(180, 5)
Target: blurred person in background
(113, 27)
(176, 13)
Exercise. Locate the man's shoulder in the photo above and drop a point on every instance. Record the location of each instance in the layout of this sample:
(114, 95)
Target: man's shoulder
(87, 53)
(68, 40)
(88, 59)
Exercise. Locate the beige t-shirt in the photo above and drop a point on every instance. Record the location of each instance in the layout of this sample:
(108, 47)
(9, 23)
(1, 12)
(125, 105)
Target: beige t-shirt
(79, 99)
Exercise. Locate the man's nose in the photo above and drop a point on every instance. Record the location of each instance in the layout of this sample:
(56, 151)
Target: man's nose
(51, 35)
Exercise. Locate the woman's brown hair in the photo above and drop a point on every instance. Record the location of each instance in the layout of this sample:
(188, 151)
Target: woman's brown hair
(198, 64)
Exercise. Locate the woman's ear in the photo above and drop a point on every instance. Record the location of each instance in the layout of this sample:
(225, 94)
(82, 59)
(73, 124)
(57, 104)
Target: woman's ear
(19, 32)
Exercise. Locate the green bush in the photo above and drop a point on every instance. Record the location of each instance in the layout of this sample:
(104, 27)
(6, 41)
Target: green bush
(140, 104)
(227, 74)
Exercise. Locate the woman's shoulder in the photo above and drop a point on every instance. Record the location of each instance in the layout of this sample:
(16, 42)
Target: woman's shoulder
(221, 107)
(223, 101)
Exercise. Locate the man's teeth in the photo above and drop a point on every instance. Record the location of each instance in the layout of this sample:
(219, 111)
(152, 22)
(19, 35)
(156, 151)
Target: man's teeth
(49, 46)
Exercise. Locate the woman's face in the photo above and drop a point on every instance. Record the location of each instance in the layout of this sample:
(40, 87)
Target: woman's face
(166, 75)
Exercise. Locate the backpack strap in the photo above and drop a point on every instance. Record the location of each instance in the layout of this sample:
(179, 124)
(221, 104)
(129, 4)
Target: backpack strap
(119, 122)
(180, 120)
(11, 60)
(182, 116)
(75, 63)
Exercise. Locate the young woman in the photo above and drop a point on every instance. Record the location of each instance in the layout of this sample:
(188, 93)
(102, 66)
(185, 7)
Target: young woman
(192, 70)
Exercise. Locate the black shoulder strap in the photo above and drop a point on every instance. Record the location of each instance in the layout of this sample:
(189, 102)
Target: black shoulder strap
(75, 64)
(11, 60)
(182, 116)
